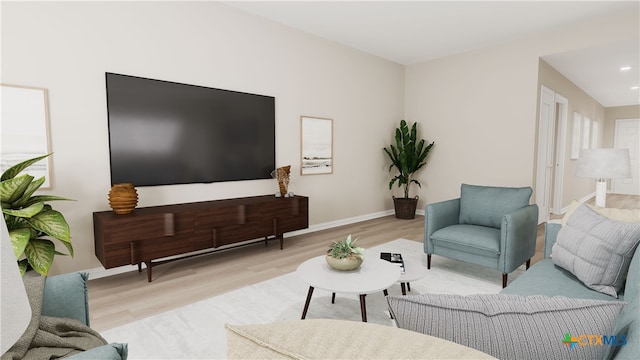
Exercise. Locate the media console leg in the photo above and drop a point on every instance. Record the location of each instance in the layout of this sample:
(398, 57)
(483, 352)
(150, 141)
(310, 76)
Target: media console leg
(139, 267)
(306, 303)
(149, 266)
(281, 236)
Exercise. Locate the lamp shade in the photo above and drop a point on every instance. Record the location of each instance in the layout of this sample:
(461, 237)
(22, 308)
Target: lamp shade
(604, 164)
(14, 304)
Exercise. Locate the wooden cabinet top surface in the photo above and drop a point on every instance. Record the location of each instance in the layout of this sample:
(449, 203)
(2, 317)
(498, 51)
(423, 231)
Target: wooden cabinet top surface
(201, 205)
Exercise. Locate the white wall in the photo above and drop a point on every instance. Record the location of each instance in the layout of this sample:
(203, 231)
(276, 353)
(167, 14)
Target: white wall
(480, 107)
(67, 48)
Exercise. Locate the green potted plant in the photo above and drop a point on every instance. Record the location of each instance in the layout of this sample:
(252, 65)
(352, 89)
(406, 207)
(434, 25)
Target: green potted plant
(30, 220)
(407, 156)
(344, 255)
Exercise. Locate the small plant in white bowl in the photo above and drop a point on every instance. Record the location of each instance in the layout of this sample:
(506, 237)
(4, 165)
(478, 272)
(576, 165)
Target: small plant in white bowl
(344, 255)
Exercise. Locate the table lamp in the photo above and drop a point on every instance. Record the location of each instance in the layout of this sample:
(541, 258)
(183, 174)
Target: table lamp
(603, 164)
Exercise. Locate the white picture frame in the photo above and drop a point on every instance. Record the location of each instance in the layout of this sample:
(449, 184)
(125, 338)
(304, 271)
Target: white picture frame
(24, 129)
(316, 145)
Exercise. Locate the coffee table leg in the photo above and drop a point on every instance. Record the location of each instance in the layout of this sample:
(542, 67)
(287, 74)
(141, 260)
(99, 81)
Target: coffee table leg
(363, 307)
(333, 298)
(306, 304)
(408, 286)
(385, 292)
(404, 289)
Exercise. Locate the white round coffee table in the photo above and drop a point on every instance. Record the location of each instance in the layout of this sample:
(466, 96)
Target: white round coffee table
(374, 275)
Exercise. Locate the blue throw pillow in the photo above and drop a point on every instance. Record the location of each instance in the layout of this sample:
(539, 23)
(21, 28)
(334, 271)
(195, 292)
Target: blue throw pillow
(66, 296)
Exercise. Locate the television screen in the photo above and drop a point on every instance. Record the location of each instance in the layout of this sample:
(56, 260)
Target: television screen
(163, 133)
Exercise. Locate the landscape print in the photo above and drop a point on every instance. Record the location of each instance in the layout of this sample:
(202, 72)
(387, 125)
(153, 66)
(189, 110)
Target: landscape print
(24, 135)
(316, 145)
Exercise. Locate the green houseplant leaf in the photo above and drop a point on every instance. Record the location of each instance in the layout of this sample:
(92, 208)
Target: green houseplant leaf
(40, 253)
(31, 188)
(16, 169)
(19, 240)
(31, 221)
(12, 189)
(52, 223)
(25, 212)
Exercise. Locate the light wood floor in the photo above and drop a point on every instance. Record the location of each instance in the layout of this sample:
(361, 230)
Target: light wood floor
(123, 298)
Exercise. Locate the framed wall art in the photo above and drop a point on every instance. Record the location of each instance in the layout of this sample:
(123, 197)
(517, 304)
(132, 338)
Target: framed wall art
(316, 145)
(24, 119)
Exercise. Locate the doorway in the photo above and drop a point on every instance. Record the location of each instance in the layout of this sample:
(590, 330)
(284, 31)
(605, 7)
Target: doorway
(552, 134)
(627, 135)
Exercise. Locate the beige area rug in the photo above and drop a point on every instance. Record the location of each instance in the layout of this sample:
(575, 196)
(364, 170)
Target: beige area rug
(196, 331)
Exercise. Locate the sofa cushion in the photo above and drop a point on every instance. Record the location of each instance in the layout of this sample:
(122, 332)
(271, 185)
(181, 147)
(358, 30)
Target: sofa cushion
(624, 215)
(71, 291)
(545, 278)
(479, 240)
(597, 250)
(486, 205)
(113, 351)
(338, 339)
(509, 326)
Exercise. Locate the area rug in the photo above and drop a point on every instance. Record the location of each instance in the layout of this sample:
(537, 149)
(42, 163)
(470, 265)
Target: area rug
(196, 331)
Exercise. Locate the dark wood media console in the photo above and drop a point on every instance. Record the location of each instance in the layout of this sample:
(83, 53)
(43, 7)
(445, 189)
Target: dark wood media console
(157, 232)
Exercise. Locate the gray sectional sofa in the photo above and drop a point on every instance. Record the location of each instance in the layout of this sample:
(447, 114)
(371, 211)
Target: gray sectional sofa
(548, 312)
(545, 278)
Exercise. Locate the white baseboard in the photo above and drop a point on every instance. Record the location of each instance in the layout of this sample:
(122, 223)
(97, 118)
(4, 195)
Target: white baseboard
(101, 272)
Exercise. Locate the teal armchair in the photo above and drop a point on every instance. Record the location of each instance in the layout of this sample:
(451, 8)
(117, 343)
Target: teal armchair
(490, 226)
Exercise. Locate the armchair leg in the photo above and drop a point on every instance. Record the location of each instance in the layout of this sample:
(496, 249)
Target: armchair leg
(504, 281)
(428, 261)
(527, 264)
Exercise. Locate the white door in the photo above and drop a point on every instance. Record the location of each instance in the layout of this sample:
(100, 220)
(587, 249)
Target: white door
(627, 135)
(562, 108)
(545, 160)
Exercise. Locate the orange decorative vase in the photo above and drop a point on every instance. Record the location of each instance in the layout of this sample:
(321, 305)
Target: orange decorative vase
(123, 198)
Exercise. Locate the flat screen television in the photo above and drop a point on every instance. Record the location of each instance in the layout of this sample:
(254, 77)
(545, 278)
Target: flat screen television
(164, 133)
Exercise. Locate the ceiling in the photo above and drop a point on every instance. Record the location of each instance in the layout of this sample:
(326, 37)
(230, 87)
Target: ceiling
(409, 32)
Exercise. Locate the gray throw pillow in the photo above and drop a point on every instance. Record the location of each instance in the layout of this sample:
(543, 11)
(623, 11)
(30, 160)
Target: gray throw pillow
(596, 249)
(486, 205)
(510, 326)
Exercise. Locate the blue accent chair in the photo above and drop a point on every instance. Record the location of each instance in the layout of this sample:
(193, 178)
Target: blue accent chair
(490, 226)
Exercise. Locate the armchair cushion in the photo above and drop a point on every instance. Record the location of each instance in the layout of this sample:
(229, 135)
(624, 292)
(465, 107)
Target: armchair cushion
(509, 326)
(486, 205)
(479, 240)
(597, 250)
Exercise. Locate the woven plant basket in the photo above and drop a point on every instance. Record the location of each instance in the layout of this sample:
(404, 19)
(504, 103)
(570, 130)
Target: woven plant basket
(405, 207)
